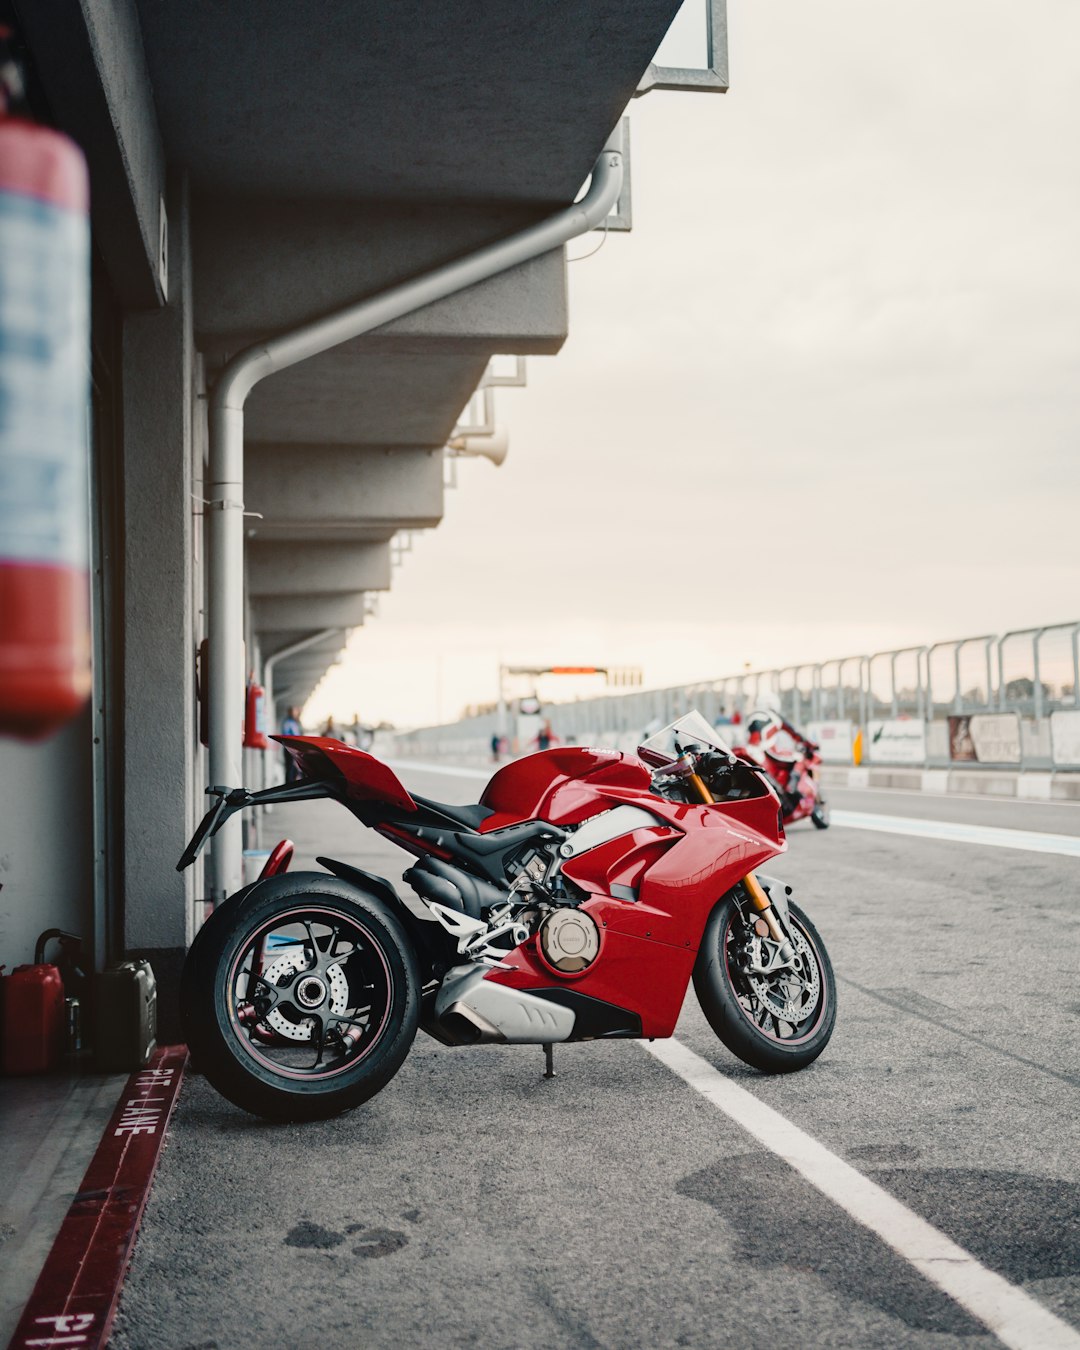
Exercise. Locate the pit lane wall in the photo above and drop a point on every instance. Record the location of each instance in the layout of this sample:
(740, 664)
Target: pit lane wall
(994, 715)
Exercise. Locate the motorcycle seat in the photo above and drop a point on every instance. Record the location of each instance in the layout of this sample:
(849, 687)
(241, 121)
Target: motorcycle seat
(469, 816)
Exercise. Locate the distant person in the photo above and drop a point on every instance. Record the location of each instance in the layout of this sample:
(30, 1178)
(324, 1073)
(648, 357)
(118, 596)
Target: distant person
(722, 718)
(330, 730)
(496, 746)
(290, 726)
(543, 737)
(362, 737)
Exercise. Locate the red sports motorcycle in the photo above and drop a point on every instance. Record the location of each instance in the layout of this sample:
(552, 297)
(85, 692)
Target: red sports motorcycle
(575, 901)
(793, 764)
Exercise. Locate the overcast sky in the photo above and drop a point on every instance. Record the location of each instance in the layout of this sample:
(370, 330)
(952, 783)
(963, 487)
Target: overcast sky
(824, 399)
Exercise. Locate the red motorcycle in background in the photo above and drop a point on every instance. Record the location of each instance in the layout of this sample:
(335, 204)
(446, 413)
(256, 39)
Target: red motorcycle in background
(575, 901)
(792, 762)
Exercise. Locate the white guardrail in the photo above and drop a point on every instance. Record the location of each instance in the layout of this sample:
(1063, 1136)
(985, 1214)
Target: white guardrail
(984, 709)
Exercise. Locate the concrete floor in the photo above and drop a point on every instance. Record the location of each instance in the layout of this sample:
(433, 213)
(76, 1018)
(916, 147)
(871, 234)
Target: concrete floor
(49, 1128)
(471, 1203)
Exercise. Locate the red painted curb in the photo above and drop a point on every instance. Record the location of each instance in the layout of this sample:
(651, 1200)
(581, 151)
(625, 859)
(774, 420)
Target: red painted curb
(75, 1298)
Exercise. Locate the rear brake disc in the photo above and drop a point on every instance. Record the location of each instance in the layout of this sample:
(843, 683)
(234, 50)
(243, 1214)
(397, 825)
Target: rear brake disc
(290, 963)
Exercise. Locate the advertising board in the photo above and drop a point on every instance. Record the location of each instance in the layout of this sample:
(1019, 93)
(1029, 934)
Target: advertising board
(1065, 736)
(835, 739)
(899, 740)
(984, 738)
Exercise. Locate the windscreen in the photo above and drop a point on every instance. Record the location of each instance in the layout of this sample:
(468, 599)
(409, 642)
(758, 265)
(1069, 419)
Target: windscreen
(690, 732)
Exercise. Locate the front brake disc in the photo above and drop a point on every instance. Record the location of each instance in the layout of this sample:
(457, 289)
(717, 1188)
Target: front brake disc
(788, 995)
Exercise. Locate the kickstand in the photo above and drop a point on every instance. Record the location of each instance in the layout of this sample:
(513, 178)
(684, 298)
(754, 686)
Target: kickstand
(549, 1060)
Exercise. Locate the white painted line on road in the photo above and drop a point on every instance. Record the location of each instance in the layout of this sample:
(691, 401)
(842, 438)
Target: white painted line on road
(988, 836)
(1011, 1314)
(1058, 803)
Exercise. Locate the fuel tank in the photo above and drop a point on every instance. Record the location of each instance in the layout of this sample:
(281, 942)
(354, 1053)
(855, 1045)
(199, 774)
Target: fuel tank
(563, 786)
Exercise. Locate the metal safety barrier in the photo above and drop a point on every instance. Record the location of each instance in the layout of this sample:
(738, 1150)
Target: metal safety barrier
(987, 701)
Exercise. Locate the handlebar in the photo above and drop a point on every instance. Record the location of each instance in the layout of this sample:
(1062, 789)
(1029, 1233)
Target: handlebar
(690, 761)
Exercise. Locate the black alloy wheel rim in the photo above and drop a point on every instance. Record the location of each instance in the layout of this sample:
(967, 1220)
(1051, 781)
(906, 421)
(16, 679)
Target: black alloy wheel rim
(309, 993)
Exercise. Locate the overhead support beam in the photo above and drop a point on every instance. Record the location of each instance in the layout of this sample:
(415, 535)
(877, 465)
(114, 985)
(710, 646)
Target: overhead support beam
(290, 674)
(296, 694)
(296, 689)
(225, 487)
(302, 645)
(273, 264)
(346, 397)
(302, 491)
(280, 645)
(316, 568)
(283, 614)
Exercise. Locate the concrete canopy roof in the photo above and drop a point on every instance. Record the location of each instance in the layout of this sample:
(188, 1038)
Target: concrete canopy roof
(335, 149)
(282, 613)
(318, 568)
(404, 100)
(343, 398)
(320, 492)
(280, 641)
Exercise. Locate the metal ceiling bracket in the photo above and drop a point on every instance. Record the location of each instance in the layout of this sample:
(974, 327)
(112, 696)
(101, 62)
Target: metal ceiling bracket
(712, 78)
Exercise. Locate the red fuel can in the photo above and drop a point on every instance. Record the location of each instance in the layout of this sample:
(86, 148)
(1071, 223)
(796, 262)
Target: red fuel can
(33, 1021)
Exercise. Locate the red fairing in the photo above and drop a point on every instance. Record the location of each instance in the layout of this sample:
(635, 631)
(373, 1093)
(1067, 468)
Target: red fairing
(563, 786)
(649, 978)
(281, 855)
(620, 862)
(366, 778)
(678, 869)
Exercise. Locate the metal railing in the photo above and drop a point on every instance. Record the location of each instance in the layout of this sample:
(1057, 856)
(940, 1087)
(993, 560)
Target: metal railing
(1032, 672)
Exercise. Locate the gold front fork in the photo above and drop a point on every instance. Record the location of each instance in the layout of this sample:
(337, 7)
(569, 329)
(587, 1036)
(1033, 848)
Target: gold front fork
(702, 791)
(758, 897)
(763, 905)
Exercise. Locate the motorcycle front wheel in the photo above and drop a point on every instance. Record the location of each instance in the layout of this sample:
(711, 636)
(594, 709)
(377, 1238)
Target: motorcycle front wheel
(300, 999)
(820, 815)
(776, 1022)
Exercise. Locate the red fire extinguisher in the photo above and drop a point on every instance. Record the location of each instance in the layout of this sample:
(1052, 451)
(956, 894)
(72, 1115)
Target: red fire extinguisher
(34, 1015)
(44, 341)
(255, 724)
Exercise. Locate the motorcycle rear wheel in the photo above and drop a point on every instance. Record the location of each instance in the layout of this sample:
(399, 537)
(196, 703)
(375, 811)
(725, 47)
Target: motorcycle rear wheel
(776, 1026)
(300, 997)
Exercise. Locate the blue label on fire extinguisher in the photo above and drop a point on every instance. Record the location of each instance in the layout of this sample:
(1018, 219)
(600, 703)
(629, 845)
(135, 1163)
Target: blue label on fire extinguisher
(44, 354)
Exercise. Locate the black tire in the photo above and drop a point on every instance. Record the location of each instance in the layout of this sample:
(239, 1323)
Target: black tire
(739, 1015)
(820, 814)
(192, 963)
(226, 1011)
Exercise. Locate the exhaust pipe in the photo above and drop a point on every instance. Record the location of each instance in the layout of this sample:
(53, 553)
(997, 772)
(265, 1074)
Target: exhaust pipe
(495, 1012)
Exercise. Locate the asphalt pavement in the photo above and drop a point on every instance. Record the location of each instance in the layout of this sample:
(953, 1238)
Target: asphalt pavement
(473, 1203)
